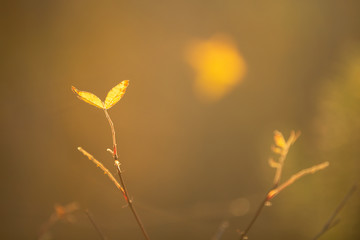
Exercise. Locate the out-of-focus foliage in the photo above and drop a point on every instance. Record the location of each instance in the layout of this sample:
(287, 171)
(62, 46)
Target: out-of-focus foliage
(337, 125)
(65, 213)
(218, 66)
(339, 106)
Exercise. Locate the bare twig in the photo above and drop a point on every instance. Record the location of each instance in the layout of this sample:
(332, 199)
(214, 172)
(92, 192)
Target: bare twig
(243, 234)
(295, 177)
(332, 221)
(102, 167)
(95, 225)
(124, 188)
(115, 155)
(130, 203)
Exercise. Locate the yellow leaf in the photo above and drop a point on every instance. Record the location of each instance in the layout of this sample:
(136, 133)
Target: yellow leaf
(88, 97)
(279, 139)
(115, 94)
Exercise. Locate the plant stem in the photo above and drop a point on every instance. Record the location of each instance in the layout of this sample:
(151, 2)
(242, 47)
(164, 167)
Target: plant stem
(97, 228)
(113, 135)
(295, 177)
(279, 168)
(243, 235)
(129, 201)
(332, 222)
(117, 163)
(102, 167)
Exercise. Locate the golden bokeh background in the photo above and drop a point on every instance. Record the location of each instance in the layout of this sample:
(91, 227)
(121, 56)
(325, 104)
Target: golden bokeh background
(209, 83)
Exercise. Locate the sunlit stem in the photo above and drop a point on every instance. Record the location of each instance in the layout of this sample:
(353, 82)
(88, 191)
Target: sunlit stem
(113, 135)
(297, 176)
(129, 201)
(117, 164)
(102, 167)
(285, 149)
(277, 189)
(277, 177)
(280, 167)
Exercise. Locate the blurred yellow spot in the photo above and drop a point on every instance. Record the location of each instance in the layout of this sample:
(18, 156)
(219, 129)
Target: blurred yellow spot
(338, 121)
(218, 66)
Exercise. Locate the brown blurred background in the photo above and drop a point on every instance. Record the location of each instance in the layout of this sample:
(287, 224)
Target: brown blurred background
(188, 160)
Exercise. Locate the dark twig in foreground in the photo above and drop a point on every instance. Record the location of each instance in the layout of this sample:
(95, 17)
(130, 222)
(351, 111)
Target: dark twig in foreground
(243, 234)
(332, 221)
(95, 225)
(129, 201)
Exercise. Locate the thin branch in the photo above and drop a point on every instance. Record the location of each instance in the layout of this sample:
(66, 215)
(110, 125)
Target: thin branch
(281, 147)
(97, 228)
(115, 155)
(101, 166)
(295, 177)
(279, 169)
(243, 234)
(130, 203)
(332, 221)
(272, 193)
(117, 164)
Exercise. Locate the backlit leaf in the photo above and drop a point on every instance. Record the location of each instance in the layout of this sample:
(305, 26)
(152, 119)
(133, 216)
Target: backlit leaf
(279, 139)
(115, 94)
(88, 97)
